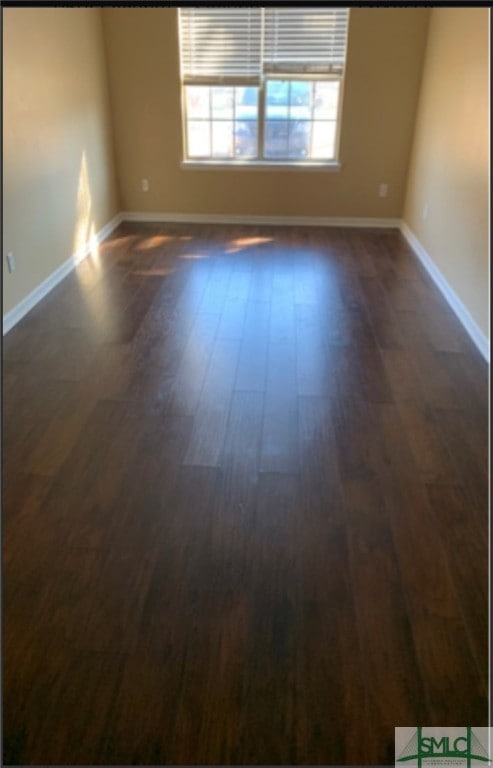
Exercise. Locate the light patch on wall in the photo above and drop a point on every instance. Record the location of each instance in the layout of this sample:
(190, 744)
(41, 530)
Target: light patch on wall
(85, 239)
(85, 243)
(84, 206)
(89, 267)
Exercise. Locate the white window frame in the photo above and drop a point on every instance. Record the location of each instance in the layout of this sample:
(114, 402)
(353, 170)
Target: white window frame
(286, 164)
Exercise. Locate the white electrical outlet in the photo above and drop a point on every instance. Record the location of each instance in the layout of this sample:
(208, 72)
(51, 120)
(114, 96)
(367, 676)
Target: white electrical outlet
(11, 261)
(383, 190)
(145, 185)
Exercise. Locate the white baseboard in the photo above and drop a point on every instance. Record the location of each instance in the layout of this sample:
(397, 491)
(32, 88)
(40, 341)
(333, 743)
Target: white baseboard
(478, 337)
(284, 221)
(20, 310)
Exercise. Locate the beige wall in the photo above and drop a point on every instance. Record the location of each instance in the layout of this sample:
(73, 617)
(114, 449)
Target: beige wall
(57, 151)
(385, 53)
(450, 158)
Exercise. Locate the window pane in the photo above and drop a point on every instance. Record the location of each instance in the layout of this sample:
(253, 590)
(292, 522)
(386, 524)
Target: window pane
(246, 139)
(299, 139)
(199, 137)
(277, 99)
(197, 101)
(301, 92)
(222, 103)
(246, 103)
(301, 100)
(222, 139)
(326, 98)
(323, 142)
(276, 138)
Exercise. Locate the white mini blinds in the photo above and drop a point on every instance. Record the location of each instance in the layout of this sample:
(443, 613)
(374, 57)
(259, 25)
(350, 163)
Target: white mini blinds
(305, 40)
(220, 44)
(242, 44)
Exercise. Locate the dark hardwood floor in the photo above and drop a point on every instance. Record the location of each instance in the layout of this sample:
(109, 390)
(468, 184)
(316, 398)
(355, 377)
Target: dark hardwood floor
(245, 504)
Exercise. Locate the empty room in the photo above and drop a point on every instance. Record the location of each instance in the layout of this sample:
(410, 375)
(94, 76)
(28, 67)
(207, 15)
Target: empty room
(245, 385)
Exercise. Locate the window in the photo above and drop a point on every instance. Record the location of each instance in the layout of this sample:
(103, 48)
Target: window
(222, 121)
(262, 85)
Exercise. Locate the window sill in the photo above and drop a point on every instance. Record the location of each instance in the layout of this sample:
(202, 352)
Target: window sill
(258, 165)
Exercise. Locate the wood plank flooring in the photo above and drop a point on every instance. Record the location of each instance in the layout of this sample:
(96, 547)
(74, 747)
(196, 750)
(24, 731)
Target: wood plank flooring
(245, 504)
